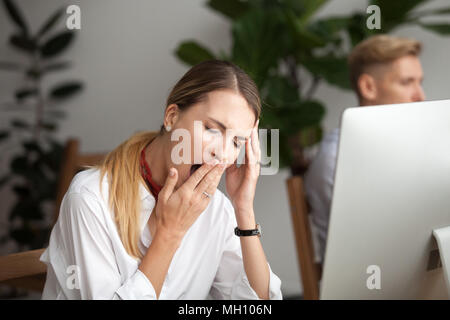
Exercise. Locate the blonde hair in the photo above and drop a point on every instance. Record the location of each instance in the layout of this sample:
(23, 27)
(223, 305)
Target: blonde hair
(379, 49)
(122, 165)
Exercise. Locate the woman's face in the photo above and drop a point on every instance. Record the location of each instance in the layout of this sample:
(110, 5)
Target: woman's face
(216, 127)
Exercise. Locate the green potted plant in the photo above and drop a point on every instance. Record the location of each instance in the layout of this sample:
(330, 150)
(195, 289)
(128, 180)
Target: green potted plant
(29, 140)
(289, 53)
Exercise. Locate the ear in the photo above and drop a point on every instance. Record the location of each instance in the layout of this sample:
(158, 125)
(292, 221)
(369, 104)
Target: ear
(171, 115)
(367, 87)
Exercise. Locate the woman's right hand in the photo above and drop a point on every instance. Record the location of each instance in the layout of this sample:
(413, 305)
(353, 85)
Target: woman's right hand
(177, 210)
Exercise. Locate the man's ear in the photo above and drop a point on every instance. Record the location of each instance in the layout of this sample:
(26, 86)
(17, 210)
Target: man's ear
(171, 115)
(367, 87)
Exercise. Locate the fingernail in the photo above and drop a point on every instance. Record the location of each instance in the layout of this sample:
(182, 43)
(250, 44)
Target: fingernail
(215, 161)
(172, 172)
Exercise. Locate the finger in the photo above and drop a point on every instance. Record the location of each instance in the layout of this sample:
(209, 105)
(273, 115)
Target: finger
(198, 175)
(249, 154)
(233, 167)
(169, 184)
(255, 144)
(210, 182)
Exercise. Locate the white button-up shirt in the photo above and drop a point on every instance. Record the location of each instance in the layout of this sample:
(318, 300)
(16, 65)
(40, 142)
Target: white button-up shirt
(87, 260)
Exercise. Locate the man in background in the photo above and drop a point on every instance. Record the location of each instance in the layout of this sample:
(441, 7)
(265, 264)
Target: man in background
(383, 70)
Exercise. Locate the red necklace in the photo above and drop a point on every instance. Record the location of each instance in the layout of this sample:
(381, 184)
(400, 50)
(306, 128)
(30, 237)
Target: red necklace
(147, 175)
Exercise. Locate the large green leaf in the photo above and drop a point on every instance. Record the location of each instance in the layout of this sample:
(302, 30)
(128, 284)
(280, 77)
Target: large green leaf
(327, 28)
(394, 13)
(302, 36)
(306, 114)
(25, 93)
(23, 43)
(440, 28)
(232, 9)
(57, 44)
(279, 92)
(334, 70)
(357, 29)
(16, 15)
(284, 110)
(66, 90)
(310, 7)
(192, 53)
(258, 43)
(50, 22)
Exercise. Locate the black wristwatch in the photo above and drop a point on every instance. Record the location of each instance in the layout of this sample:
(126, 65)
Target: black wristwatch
(247, 233)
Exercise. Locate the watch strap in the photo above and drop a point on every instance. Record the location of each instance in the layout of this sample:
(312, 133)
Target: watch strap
(248, 233)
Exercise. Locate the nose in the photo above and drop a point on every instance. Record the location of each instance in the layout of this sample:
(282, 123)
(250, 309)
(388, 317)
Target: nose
(223, 154)
(419, 94)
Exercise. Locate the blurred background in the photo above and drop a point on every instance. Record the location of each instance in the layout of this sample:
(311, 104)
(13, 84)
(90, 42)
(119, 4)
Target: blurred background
(102, 83)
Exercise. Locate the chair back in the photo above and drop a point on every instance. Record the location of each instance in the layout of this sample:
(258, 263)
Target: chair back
(310, 271)
(24, 269)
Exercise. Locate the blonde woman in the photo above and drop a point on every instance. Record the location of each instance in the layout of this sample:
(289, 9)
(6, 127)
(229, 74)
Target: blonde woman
(144, 226)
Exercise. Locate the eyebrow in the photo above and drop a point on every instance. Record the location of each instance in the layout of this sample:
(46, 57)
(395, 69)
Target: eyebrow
(223, 128)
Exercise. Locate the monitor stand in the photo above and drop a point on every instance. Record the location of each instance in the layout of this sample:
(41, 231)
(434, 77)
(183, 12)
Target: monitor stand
(442, 236)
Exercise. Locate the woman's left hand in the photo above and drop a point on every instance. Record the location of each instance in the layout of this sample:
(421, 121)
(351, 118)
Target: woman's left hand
(241, 182)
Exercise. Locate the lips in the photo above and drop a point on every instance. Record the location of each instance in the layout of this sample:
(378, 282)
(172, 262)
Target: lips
(194, 168)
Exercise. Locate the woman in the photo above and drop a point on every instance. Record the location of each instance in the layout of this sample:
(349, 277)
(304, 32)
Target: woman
(144, 225)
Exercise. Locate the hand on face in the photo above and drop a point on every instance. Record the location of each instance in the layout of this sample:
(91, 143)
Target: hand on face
(177, 210)
(241, 182)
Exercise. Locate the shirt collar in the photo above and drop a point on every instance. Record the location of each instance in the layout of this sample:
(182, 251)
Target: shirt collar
(148, 202)
(144, 192)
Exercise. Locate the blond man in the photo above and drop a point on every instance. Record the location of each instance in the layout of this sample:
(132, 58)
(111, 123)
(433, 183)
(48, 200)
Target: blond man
(383, 70)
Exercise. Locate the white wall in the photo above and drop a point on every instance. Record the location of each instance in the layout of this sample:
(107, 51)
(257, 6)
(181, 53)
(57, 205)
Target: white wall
(124, 53)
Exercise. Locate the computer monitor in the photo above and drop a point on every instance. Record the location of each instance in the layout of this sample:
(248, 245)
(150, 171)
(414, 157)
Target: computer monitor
(391, 190)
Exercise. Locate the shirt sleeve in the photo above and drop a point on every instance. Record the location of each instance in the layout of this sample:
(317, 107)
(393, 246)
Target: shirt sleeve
(319, 182)
(88, 248)
(231, 282)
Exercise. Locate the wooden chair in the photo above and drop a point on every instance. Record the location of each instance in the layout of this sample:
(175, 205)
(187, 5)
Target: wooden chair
(310, 271)
(25, 270)
(73, 162)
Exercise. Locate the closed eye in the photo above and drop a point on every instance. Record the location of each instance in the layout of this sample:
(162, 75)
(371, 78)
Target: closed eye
(215, 131)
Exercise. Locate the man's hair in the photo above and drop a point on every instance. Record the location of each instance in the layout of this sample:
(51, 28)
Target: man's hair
(379, 49)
